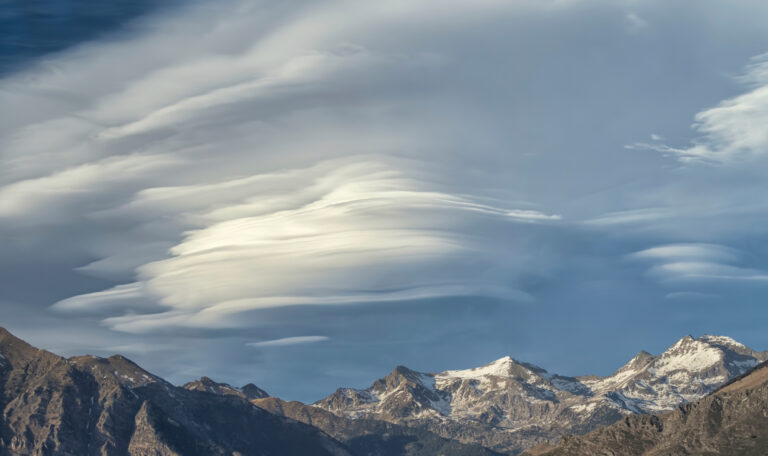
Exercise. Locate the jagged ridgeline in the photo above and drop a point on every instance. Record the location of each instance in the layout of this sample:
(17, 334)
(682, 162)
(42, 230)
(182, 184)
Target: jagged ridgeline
(87, 405)
(510, 406)
(95, 406)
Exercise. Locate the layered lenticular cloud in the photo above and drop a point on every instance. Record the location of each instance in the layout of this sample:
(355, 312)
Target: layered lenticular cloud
(703, 267)
(265, 169)
(343, 232)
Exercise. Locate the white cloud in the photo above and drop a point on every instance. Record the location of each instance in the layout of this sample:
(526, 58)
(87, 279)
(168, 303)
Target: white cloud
(705, 270)
(294, 156)
(632, 216)
(711, 252)
(129, 297)
(697, 262)
(287, 341)
(44, 196)
(690, 296)
(733, 130)
(342, 232)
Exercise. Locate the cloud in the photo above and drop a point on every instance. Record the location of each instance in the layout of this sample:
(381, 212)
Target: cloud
(287, 341)
(697, 262)
(690, 296)
(48, 198)
(702, 270)
(128, 296)
(631, 216)
(734, 129)
(635, 23)
(710, 252)
(355, 231)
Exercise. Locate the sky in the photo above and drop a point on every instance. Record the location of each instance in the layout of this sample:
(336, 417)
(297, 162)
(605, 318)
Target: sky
(305, 194)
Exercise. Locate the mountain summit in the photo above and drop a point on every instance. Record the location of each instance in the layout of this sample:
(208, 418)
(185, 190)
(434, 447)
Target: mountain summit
(508, 405)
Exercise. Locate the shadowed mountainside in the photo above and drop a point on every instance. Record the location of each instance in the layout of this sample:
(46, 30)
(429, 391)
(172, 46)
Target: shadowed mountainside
(373, 437)
(87, 405)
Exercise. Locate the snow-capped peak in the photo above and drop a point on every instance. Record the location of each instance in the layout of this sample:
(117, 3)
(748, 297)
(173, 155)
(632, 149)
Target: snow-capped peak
(502, 367)
(498, 368)
(514, 395)
(689, 355)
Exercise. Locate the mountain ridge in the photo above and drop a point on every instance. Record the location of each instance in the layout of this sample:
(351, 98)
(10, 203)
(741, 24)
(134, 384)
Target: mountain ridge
(88, 405)
(509, 405)
(729, 421)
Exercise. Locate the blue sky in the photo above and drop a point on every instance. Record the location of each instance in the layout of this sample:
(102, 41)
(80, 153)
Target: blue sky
(305, 195)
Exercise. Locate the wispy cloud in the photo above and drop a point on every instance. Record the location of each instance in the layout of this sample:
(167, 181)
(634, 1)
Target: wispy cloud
(708, 252)
(287, 341)
(631, 216)
(697, 262)
(732, 130)
(635, 23)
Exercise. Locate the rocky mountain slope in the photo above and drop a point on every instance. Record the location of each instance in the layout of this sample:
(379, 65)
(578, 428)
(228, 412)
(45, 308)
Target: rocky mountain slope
(363, 437)
(733, 421)
(509, 405)
(373, 437)
(95, 406)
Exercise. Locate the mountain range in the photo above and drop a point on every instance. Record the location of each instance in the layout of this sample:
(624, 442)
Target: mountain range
(87, 405)
(509, 405)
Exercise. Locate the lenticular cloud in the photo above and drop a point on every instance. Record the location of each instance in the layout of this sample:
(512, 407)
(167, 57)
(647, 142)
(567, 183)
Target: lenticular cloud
(349, 231)
(274, 163)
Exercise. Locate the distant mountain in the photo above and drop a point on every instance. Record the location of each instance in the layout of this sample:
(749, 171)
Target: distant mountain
(373, 437)
(363, 437)
(87, 405)
(509, 405)
(205, 384)
(732, 421)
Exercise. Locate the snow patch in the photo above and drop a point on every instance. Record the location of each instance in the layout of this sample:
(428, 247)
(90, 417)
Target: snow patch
(499, 368)
(721, 340)
(694, 356)
(583, 409)
(427, 380)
